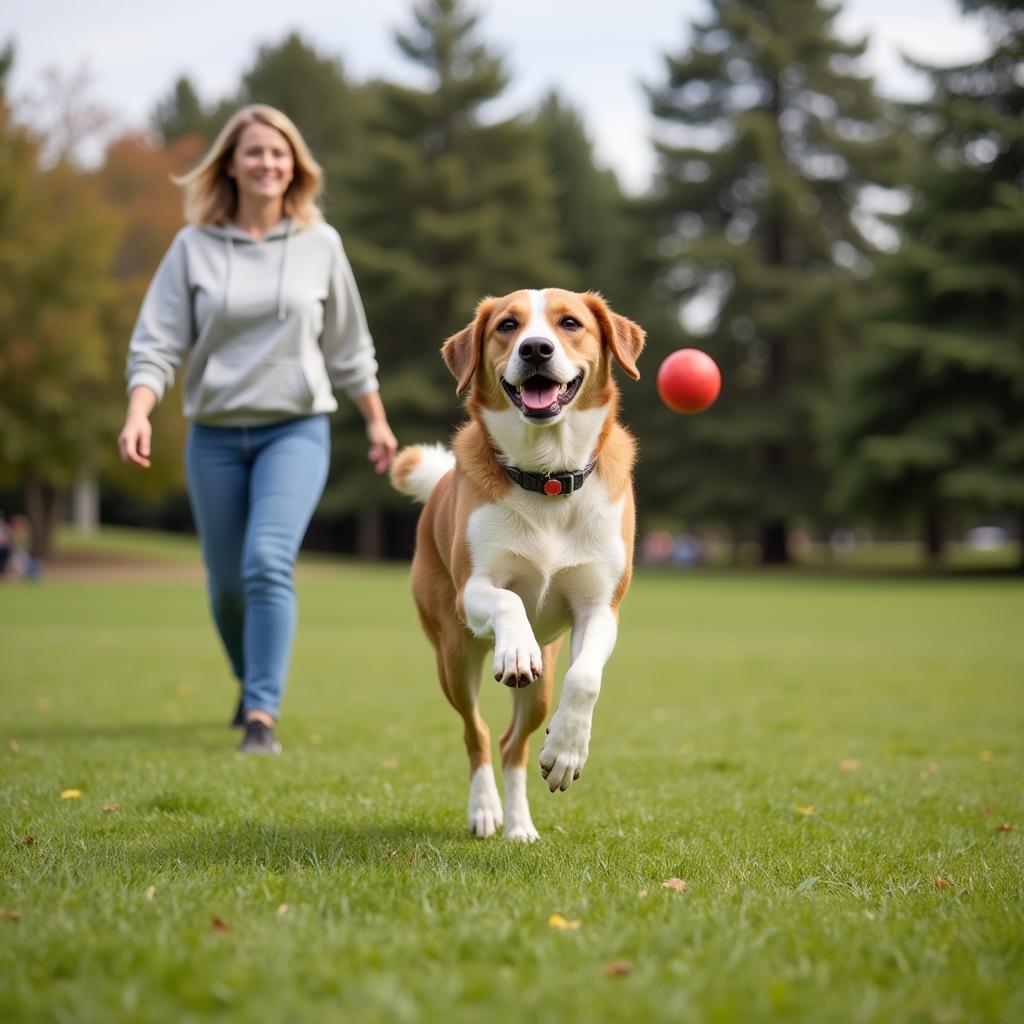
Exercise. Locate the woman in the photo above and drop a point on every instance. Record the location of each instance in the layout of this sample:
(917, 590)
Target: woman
(257, 291)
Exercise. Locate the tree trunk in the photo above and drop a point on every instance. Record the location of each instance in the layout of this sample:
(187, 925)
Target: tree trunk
(775, 543)
(934, 537)
(1020, 541)
(43, 505)
(370, 534)
(85, 503)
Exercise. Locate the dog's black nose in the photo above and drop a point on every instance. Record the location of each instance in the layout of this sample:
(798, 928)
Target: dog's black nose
(536, 350)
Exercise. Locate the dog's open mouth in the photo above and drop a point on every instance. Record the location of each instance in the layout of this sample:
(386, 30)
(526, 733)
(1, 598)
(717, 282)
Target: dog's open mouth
(540, 397)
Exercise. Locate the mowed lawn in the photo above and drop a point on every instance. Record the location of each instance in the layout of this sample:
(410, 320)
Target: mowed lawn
(833, 766)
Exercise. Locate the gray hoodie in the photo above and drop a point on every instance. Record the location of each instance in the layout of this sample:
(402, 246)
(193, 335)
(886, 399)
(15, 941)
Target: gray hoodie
(272, 326)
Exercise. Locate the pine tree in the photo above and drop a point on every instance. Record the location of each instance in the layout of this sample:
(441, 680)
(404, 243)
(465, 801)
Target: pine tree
(450, 207)
(591, 226)
(182, 114)
(932, 422)
(768, 134)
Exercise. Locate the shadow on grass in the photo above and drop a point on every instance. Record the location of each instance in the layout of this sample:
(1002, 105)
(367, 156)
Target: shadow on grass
(252, 850)
(158, 734)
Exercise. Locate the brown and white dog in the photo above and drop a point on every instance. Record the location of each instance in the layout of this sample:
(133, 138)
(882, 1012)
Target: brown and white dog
(527, 530)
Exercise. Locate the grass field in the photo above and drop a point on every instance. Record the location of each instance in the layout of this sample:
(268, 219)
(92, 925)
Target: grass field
(810, 754)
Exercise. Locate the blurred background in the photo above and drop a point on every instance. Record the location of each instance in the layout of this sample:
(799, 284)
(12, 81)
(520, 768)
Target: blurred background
(826, 197)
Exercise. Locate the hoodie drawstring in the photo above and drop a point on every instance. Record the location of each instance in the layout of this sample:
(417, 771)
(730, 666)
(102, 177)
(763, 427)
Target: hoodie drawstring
(281, 309)
(227, 282)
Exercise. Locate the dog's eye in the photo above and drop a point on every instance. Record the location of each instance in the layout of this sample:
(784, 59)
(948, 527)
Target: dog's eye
(509, 324)
(570, 323)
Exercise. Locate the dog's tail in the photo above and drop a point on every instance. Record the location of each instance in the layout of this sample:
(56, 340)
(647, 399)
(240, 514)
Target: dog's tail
(417, 469)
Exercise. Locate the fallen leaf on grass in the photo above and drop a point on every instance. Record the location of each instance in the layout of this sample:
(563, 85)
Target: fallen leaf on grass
(29, 840)
(10, 915)
(1004, 826)
(71, 794)
(675, 884)
(282, 910)
(849, 764)
(110, 808)
(617, 969)
(942, 883)
(562, 924)
(150, 893)
(219, 926)
(809, 810)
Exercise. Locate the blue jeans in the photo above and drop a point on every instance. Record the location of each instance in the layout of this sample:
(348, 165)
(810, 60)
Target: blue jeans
(253, 491)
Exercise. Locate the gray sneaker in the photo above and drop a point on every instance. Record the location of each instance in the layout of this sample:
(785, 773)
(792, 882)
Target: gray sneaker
(259, 739)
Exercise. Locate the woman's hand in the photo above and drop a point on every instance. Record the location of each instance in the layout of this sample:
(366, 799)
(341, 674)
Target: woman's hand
(383, 444)
(134, 440)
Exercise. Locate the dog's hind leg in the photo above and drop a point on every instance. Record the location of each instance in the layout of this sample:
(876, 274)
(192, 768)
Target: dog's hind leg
(529, 709)
(460, 663)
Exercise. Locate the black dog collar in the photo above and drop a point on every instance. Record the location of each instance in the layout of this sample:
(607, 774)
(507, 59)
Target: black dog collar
(551, 484)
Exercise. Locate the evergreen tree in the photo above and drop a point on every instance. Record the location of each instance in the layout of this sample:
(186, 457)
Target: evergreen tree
(6, 63)
(451, 207)
(932, 421)
(182, 114)
(768, 134)
(591, 216)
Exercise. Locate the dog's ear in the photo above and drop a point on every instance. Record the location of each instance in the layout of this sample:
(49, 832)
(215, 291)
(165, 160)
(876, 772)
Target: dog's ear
(462, 350)
(622, 336)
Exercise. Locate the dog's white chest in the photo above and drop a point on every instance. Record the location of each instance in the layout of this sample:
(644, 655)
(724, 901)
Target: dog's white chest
(554, 552)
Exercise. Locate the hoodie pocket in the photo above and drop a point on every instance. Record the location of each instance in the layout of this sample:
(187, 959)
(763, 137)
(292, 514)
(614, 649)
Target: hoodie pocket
(271, 386)
(315, 372)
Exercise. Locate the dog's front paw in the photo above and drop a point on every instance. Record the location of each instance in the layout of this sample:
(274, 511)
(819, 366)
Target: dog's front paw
(517, 658)
(522, 831)
(565, 749)
(484, 810)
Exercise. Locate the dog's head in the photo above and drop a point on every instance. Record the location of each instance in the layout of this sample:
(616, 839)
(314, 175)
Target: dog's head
(543, 353)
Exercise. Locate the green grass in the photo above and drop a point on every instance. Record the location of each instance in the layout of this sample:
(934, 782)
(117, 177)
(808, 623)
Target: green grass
(730, 701)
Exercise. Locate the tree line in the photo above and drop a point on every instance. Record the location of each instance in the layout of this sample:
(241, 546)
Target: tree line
(873, 361)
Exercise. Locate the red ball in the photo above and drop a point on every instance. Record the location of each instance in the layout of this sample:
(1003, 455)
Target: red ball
(689, 380)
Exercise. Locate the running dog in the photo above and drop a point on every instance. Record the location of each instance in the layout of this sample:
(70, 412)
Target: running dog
(527, 530)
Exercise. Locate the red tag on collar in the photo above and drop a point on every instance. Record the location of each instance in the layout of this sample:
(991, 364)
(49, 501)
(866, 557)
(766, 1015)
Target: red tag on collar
(552, 487)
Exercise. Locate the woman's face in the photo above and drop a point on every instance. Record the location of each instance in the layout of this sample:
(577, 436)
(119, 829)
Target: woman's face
(262, 164)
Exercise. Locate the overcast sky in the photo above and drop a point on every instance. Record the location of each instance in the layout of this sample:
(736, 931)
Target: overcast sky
(595, 52)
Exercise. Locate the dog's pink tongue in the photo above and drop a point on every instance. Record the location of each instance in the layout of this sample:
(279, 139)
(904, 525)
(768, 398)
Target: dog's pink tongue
(538, 395)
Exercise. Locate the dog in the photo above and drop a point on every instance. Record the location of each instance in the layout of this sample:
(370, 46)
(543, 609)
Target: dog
(527, 530)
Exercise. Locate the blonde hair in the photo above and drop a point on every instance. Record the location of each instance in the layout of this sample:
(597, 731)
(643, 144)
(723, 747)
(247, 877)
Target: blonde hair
(211, 195)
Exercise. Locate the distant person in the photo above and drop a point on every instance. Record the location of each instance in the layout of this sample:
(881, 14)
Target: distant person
(20, 562)
(6, 543)
(257, 292)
